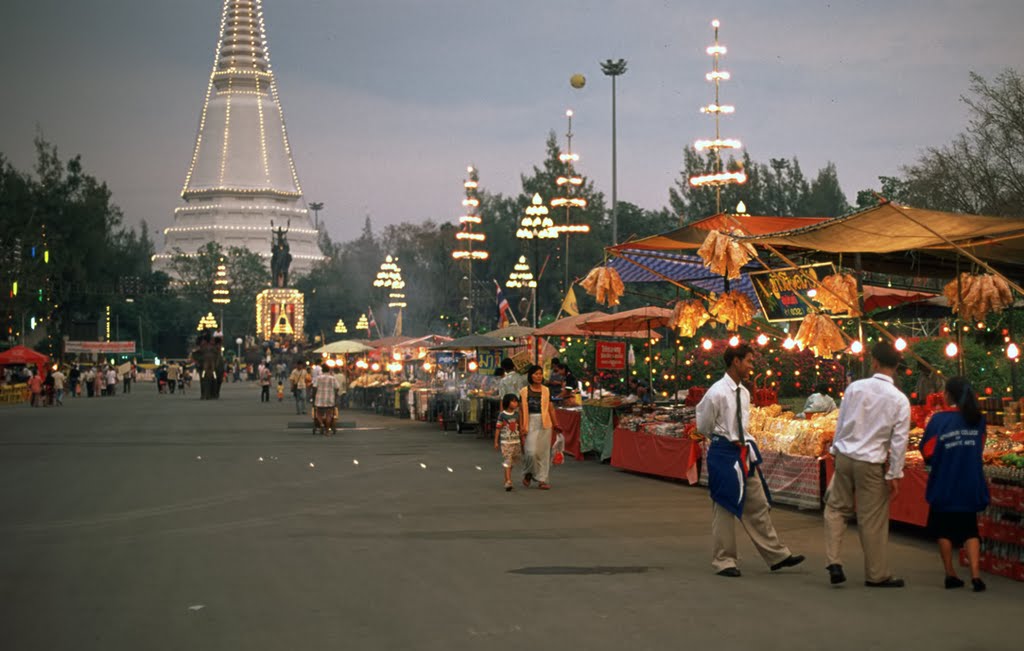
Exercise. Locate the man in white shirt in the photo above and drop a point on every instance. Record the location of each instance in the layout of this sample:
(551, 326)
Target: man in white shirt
(734, 479)
(58, 387)
(324, 402)
(869, 446)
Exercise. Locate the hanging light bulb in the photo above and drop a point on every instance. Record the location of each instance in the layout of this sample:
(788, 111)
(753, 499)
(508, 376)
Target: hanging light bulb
(952, 349)
(706, 344)
(734, 341)
(1012, 351)
(762, 339)
(789, 343)
(856, 347)
(900, 344)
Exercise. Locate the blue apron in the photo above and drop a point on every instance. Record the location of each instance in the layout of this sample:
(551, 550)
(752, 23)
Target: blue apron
(728, 468)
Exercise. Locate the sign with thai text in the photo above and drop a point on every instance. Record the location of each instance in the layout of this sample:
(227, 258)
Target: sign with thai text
(100, 347)
(611, 355)
(783, 293)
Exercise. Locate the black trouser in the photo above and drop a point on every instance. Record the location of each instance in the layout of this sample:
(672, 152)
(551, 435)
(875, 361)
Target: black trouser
(127, 385)
(265, 393)
(171, 384)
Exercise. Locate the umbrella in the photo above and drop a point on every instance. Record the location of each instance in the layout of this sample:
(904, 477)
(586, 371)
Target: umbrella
(629, 321)
(572, 326)
(344, 347)
(515, 331)
(22, 355)
(474, 341)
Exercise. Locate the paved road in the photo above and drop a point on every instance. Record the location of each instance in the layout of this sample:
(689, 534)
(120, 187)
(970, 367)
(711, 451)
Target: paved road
(149, 522)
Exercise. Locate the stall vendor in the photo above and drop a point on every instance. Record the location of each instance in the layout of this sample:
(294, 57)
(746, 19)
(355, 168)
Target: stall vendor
(819, 402)
(639, 388)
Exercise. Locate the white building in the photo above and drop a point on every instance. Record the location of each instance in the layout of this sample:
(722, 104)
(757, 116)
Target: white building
(242, 176)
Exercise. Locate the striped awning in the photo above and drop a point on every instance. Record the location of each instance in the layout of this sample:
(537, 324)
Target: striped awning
(686, 269)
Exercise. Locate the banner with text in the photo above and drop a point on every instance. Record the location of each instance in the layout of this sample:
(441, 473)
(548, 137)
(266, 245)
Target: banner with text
(783, 294)
(611, 355)
(100, 347)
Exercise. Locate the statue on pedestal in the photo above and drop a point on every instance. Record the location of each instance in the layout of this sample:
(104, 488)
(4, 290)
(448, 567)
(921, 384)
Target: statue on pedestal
(280, 258)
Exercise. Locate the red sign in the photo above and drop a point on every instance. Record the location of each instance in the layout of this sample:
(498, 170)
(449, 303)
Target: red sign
(611, 355)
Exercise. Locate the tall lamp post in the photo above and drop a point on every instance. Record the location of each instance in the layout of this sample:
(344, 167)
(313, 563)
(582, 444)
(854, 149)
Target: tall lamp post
(316, 207)
(536, 226)
(569, 201)
(613, 69)
(465, 237)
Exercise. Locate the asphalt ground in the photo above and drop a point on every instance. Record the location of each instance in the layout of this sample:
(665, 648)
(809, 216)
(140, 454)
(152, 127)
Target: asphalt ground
(150, 522)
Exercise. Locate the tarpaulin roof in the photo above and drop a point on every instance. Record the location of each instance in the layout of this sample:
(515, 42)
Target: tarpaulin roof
(692, 235)
(680, 267)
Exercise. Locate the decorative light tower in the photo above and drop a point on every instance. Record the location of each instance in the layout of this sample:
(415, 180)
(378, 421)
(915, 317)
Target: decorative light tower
(718, 177)
(208, 322)
(221, 293)
(363, 324)
(340, 328)
(570, 182)
(390, 277)
(465, 238)
(522, 278)
(536, 226)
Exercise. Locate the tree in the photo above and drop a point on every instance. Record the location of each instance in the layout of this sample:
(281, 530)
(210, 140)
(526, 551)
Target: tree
(982, 171)
(825, 198)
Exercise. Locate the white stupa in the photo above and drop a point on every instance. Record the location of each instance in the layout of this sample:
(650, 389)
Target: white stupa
(242, 177)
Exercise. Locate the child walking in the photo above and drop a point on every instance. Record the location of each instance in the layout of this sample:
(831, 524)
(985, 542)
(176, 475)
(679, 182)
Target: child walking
(507, 436)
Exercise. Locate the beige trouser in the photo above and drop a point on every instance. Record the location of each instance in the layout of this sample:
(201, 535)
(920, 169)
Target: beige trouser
(756, 521)
(865, 482)
(537, 449)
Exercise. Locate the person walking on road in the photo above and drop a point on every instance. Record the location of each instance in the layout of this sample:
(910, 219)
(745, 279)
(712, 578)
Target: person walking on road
(869, 446)
(952, 445)
(507, 436)
(325, 401)
(264, 384)
(737, 486)
(537, 413)
(298, 386)
(58, 387)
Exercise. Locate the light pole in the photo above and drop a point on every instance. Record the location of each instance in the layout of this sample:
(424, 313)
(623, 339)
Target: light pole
(570, 200)
(316, 207)
(536, 226)
(465, 237)
(613, 69)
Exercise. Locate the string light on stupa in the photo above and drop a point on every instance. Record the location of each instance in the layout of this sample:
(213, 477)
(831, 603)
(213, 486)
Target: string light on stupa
(718, 177)
(536, 223)
(521, 275)
(363, 323)
(340, 327)
(208, 322)
(390, 277)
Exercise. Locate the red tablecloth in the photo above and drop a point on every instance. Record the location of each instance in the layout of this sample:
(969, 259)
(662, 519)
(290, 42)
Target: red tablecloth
(663, 456)
(569, 422)
(909, 504)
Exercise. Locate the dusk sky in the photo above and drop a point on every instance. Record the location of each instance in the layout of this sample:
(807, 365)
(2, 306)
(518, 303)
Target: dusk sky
(387, 101)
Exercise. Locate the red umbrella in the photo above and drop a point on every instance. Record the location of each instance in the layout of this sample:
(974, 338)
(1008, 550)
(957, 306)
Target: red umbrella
(22, 355)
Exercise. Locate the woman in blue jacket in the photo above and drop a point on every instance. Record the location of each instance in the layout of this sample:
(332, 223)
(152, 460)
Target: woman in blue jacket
(952, 444)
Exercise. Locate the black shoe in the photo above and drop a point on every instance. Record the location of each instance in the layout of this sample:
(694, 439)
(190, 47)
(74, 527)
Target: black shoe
(888, 583)
(730, 571)
(954, 582)
(790, 561)
(835, 574)
(978, 584)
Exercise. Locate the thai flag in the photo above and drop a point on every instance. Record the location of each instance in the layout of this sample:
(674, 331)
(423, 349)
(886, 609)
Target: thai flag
(503, 307)
(373, 321)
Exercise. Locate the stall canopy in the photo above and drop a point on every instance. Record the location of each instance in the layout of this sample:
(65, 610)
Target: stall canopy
(572, 326)
(22, 355)
(692, 235)
(642, 318)
(474, 341)
(344, 347)
(640, 266)
(513, 331)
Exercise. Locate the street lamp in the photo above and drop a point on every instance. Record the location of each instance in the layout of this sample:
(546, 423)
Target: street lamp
(238, 350)
(613, 69)
(536, 226)
(316, 207)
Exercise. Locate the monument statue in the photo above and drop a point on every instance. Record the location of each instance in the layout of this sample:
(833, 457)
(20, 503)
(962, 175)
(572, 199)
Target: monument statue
(280, 257)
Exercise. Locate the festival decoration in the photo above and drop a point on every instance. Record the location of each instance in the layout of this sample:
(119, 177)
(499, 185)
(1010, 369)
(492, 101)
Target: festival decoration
(688, 317)
(975, 296)
(604, 284)
(841, 294)
(723, 255)
(819, 333)
(718, 177)
(734, 309)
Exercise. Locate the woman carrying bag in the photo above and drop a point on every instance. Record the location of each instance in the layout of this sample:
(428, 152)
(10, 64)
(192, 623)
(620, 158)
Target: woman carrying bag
(539, 417)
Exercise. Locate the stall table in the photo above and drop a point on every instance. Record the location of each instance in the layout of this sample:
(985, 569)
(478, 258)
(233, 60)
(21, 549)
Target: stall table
(651, 454)
(568, 420)
(793, 480)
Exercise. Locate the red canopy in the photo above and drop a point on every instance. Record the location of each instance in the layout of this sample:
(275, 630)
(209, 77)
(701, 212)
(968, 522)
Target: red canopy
(22, 355)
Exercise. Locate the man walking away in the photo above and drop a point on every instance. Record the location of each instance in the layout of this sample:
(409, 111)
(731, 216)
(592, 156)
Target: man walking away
(264, 384)
(869, 446)
(738, 489)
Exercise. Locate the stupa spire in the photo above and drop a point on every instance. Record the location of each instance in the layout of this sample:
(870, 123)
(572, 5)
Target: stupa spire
(242, 176)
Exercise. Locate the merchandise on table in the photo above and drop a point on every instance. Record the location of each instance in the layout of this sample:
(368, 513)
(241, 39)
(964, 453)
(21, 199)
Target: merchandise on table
(779, 431)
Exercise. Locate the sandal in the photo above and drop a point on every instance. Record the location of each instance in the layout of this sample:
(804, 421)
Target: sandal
(526, 479)
(508, 486)
(544, 486)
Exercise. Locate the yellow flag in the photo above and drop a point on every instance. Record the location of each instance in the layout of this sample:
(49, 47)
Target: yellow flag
(569, 305)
